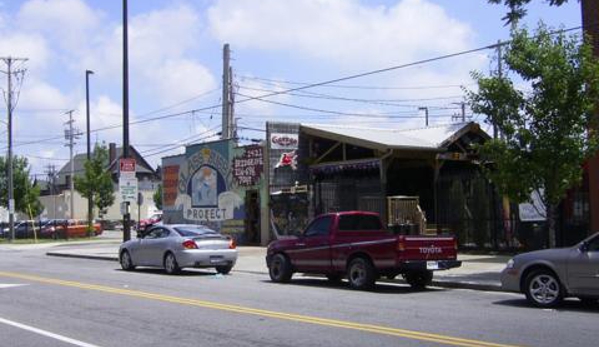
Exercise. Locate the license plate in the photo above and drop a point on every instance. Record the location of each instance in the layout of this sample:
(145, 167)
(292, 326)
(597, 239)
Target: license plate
(216, 259)
(432, 265)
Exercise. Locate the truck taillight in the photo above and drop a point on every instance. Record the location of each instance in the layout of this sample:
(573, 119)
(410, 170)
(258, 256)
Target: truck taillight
(401, 246)
(190, 244)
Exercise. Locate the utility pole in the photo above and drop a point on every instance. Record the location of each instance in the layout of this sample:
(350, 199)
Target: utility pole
(70, 135)
(425, 109)
(227, 116)
(127, 212)
(51, 172)
(10, 107)
(89, 199)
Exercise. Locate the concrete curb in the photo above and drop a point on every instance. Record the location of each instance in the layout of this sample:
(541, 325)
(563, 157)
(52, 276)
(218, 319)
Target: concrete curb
(436, 283)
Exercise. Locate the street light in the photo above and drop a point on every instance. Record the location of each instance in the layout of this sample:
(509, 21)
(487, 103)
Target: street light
(89, 199)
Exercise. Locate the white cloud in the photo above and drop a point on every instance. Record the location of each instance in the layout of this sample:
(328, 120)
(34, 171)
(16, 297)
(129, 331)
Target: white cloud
(180, 79)
(70, 23)
(343, 32)
(25, 45)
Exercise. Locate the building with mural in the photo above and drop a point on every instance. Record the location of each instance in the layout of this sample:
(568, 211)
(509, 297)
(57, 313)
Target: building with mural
(220, 185)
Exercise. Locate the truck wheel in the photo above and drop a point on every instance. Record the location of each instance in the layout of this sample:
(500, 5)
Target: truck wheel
(280, 269)
(361, 274)
(419, 279)
(543, 289)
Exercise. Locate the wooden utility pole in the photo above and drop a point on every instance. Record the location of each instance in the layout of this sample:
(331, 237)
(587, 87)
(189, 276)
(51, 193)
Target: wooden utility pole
(590, 23)
(227, 116)
(10, 107)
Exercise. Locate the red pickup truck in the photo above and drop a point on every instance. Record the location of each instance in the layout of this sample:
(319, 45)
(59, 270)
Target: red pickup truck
(356, 245)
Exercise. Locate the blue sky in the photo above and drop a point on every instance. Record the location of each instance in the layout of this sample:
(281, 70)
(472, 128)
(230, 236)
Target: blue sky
(175, 64)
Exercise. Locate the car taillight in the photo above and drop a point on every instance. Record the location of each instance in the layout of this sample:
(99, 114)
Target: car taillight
(455, 244)
(232, 244)
(190, 244)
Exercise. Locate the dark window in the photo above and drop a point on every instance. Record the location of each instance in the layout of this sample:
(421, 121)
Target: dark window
(359, 222)
(319, 227)
(190, 231)
(157, 233)
(594, 245)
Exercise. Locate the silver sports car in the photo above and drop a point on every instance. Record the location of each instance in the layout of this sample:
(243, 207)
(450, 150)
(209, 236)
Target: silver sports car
(549, 275)
(178, 246)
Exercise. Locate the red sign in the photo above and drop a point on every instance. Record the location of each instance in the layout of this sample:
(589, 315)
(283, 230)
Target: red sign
(127, 165)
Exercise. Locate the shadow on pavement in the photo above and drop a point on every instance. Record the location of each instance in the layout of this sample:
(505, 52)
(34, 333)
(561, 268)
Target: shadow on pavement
(570, 305)
(379, 288)
(183, 273)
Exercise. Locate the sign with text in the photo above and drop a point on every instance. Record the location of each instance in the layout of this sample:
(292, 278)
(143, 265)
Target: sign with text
(284, 141)
(127, 166)
(128, 189)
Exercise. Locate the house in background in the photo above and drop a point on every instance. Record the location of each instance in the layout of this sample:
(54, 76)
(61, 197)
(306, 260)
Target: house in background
(57, 196)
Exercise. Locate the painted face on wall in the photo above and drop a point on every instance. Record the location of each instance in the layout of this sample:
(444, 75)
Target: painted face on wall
(205, 187)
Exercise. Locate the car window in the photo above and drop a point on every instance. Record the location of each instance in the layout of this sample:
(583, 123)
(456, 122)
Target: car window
(593, 245)
(359, 222)
(191, 231)
(157, 233)
(319, 227)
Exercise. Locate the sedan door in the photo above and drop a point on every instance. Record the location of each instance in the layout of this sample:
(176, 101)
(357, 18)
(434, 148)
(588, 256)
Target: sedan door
(583, 269)
(156, 246)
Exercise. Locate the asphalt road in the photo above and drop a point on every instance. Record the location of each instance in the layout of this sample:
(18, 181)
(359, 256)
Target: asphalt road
(47, 301)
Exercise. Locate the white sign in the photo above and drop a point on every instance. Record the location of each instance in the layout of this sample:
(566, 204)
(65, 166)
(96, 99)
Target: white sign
(533, 211)
(284, 141)
(128, 189)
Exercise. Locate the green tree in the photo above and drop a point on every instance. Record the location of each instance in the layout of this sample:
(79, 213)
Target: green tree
(157, 197)
(96, 183)
(518, 10)
(26, 195)
(545, 131)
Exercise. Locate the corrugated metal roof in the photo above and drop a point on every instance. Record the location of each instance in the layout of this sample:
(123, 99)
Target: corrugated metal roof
(430, 138)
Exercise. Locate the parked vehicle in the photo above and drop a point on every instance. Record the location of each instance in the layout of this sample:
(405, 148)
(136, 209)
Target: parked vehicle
(547, 276)
(356, 245)
(148, 222)
(178, 246)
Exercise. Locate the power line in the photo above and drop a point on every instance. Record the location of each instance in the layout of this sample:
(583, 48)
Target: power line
(346, 86)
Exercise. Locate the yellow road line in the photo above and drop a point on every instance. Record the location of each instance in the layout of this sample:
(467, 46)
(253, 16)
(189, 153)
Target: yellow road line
(376, 329)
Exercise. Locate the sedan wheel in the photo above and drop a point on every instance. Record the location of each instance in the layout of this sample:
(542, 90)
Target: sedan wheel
(126, 262)
(543, 289)
(170, 264)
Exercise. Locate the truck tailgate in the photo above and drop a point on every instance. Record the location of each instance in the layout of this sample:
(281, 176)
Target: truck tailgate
(427, 248)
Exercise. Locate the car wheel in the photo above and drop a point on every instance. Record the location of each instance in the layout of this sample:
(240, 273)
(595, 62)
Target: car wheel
(225, 269)
(170, 264)
(419, 279)
(280, 269)
(543, 289)
(361, 274)
(126, 262)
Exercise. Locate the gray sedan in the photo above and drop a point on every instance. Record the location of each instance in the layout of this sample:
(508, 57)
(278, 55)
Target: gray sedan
(549, 275)
(178, 246)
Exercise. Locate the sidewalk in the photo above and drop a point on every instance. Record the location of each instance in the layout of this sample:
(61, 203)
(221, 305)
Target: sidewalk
(480, 272)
